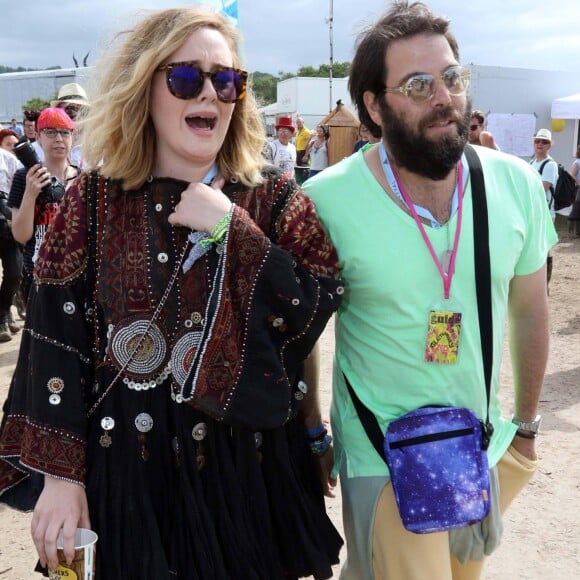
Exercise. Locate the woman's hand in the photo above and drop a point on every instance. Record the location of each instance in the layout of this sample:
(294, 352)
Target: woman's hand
(324, 465)
(36, 178)
(61, 504)
(201, 206)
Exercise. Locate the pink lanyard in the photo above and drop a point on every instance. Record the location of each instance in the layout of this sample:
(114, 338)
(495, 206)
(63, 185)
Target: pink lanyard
(447, 277)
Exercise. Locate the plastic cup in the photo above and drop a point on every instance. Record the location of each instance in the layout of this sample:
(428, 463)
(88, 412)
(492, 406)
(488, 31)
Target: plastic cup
(83, 565)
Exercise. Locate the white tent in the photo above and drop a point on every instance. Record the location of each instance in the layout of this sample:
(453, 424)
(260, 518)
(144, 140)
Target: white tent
(566, 107)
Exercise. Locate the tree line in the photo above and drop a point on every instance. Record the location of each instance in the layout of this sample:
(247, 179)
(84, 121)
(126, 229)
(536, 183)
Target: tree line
(10, 69)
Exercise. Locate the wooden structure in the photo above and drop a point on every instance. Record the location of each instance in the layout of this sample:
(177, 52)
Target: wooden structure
(343, 127)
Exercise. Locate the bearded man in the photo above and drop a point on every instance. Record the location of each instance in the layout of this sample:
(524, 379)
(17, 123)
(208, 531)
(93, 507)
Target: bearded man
(401, 218)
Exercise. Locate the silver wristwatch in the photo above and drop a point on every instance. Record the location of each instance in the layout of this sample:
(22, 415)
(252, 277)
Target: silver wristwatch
(528, 426)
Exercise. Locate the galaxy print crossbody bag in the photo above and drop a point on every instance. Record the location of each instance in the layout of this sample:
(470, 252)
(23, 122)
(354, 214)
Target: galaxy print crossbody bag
(438, 464)
(437, 456)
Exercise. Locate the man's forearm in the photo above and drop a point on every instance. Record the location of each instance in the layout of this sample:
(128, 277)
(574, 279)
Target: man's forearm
(529, 346)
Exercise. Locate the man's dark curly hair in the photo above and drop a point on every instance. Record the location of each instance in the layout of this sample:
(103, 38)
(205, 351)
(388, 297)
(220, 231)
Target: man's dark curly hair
(368, 71)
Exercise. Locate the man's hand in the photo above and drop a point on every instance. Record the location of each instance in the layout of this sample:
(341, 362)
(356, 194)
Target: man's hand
(527, 447)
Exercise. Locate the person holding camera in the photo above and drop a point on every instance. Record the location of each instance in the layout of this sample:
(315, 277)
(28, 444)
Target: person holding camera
(37, 189)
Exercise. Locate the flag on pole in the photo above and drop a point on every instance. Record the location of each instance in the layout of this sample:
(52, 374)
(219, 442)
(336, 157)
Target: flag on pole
(228, 8)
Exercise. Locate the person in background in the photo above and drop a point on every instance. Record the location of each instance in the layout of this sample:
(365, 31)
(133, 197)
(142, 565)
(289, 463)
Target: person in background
(367, 138)
(363, 137)
(302, 138)
(73, 99)
(29, 124)
(37, 192)
(10, 252)
(317, 150)
(405, 242)
(477, 133)
(283, 151)
(15, 127)
(8, 139)
(177, 293)
(547, 167)
(574, 215)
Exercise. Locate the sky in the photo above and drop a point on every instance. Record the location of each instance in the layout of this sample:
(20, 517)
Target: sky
(285, 35)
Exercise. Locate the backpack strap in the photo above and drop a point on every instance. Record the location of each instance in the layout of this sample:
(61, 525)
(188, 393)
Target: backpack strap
(541, 171)
(541, 168)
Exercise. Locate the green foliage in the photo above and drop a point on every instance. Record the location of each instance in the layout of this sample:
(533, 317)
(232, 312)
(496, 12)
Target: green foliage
(264, 87)
(339, 70)
(265, 84)
(35, 104)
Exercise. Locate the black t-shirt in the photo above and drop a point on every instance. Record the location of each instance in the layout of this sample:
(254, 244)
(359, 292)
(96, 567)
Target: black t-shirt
(45, 209)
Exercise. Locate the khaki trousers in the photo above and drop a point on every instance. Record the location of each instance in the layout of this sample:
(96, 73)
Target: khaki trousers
(401, 555)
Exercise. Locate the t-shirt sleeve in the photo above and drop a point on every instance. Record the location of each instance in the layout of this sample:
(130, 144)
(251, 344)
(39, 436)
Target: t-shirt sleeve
(550, 173)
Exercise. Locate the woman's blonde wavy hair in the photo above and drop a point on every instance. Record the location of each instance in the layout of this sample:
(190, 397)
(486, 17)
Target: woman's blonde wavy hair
(118, 133)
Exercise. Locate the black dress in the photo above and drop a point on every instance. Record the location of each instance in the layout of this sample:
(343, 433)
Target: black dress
(99, 393)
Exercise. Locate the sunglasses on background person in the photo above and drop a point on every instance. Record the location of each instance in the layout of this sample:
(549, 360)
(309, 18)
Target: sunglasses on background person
(420, 88)
(474, 127)
(185, 81)
(541, 142)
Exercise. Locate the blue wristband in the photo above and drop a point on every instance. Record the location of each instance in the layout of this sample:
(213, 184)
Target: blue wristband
(315, 431)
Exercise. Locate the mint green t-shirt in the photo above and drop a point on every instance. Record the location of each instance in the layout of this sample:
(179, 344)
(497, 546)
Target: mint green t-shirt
(391, 284)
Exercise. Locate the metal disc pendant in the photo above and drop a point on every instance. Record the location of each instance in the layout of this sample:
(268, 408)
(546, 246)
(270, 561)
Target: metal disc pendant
(139, 347)
(182, 355)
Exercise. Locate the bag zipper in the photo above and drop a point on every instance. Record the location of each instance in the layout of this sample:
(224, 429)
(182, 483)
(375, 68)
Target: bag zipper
(432, 437)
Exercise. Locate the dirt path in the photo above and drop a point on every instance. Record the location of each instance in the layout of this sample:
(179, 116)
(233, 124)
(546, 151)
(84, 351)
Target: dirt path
(542, 538)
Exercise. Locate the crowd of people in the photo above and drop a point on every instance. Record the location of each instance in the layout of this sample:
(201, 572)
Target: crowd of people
(177, 278)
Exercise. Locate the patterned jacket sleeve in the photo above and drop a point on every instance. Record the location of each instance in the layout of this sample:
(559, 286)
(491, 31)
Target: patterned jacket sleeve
(275, 291)
(44, 421)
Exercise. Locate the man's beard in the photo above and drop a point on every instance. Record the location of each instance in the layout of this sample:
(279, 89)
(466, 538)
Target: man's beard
(414, 151)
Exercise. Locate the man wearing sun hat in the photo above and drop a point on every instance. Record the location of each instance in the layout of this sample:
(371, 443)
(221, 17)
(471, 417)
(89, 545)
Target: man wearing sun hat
(548, 169)
(284, 152)
(545, 165)
(72, 98)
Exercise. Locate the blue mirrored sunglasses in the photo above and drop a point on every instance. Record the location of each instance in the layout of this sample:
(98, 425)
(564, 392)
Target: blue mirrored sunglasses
(185, 81)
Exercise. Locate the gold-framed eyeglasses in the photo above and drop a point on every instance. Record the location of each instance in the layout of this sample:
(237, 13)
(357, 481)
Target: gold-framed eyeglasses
(420, 88)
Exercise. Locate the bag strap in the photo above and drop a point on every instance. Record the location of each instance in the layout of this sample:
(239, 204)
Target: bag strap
(483, 291)
(482, 265)
(541, 168)
(541, 172)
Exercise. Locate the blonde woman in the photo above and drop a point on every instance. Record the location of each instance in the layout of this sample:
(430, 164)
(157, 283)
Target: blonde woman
(176, 295)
